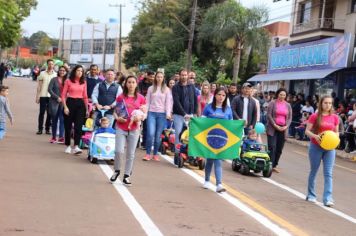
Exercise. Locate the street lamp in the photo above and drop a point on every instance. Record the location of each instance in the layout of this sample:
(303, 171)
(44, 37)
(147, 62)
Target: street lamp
(63, 19)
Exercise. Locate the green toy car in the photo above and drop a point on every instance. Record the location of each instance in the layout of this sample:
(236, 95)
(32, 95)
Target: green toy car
(254, 157)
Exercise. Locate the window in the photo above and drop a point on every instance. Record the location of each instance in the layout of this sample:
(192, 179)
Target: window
(98, 46)
(353, 6)
(75, 47)
(110, 46)
(305, 12)
(86, 46)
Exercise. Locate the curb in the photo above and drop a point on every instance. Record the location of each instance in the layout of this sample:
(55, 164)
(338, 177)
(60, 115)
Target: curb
(339, 153)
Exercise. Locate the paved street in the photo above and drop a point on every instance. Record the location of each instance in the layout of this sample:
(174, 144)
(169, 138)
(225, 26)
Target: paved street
(46, 192)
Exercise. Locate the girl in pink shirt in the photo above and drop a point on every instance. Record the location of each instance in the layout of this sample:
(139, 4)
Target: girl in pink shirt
(204, 98)
(160, 104)
(128, 101)
(75, 103)
(323, 120)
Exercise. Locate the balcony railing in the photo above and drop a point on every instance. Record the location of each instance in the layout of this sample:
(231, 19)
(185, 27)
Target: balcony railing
(322, 24)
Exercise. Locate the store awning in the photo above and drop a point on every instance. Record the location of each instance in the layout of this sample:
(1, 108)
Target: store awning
(299, 75)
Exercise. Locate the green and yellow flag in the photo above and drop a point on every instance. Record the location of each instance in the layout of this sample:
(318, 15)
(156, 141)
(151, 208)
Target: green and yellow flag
(215, 138)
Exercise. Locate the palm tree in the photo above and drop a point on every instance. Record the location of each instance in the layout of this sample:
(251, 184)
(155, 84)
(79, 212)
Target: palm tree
(233, 26)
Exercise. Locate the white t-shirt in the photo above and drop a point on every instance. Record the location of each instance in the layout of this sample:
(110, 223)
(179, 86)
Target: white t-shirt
(309, 109)
(45, 77)
(245, 111)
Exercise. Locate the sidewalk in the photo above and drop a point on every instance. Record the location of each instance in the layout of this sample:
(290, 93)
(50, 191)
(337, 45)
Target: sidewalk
(339, 153)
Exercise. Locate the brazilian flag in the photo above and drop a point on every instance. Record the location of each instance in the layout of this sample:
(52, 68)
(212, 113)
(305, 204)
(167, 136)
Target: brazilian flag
(215, 138)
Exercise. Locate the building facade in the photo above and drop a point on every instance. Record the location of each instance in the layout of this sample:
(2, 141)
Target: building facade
(92, 44)
(320, 57)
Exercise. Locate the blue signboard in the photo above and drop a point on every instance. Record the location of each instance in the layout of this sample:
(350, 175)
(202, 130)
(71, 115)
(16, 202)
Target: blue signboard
(322, 54)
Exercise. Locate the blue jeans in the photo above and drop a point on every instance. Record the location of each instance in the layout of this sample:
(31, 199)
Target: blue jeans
(2, 129)
(155, 125)
(55, 118)
(316, 154)
(217, 169)
(178, 121)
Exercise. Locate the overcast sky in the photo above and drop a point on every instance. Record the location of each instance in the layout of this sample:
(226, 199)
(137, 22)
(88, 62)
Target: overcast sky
(44, 17)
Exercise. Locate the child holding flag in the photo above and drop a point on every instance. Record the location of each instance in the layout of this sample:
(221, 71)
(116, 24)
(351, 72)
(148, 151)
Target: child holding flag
(218, 109)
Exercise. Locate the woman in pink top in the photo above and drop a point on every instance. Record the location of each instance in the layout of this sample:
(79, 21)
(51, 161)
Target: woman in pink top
(75, 103)
(159, 103)
(126, 103)
(279, 117)
(204, 98)
(323, 120)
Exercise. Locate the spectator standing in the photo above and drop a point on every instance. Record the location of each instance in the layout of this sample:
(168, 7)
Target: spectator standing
(218, 109)
(75, 102)
(42, 96)
(279, 117)
(232, 92)
(92, 80)
(307, 108)
(204, 98)
(2, 72)
(319, 122)
(126, 137)
(171, 83)
(192, 80)
(143, 88)
(55, 89)
(213, 87)
(350, 132)
(185, 105)
(159, 103)
(297, 114)
(4, 110)
(104, 97)
(244, 107)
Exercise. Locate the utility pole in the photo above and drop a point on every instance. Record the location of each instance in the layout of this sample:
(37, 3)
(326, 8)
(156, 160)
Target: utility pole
(191, 35)
(119, 7)
(63, 19)
(104, 54)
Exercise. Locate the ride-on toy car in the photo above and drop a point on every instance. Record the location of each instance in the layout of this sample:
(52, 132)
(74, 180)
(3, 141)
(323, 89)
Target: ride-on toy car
(101, 147)
(183, 153)
(255, 157)
(167, 137)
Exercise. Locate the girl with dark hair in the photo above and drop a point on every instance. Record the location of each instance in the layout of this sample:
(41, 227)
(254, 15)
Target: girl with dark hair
(171, 83)
(75, 102)
(323, 120)
(279, 117)
(55, 89)
(128, 101)
(218, 109)
(159, 104)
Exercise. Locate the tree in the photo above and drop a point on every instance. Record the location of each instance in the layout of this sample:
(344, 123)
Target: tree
(44, 45)
(12, 13)
(234, 26)
(90, 20)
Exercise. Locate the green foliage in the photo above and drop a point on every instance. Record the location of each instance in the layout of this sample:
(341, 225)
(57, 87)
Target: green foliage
(12, 13)
(90, 20)
(234, 27)
(44, 45)
(222, 79)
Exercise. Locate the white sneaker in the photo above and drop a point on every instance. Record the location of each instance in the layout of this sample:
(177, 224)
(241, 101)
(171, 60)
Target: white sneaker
(220, 188)
(77, 150)
(329, 204)
(312, 200)
(206, 185)
(68, 150)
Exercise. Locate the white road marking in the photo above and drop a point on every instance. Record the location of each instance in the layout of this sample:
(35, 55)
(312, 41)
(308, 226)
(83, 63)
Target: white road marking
(303, 196)
(235, 202)
(141, 216)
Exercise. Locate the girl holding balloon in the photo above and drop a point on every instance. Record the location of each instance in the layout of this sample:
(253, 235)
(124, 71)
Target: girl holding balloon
(322, 147)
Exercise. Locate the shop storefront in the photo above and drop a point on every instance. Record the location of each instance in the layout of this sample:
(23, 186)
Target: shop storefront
(318, 67)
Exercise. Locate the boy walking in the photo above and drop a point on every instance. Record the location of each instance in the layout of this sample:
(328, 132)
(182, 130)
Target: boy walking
(4, 110)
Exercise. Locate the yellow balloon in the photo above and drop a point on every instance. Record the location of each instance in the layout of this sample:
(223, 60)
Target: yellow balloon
(329, 140)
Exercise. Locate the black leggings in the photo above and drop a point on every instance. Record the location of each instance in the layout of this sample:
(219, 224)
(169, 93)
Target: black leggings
(275, 146)
(76, 115)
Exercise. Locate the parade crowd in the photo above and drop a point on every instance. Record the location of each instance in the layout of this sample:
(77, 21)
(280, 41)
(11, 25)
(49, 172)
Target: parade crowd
(138, 109)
